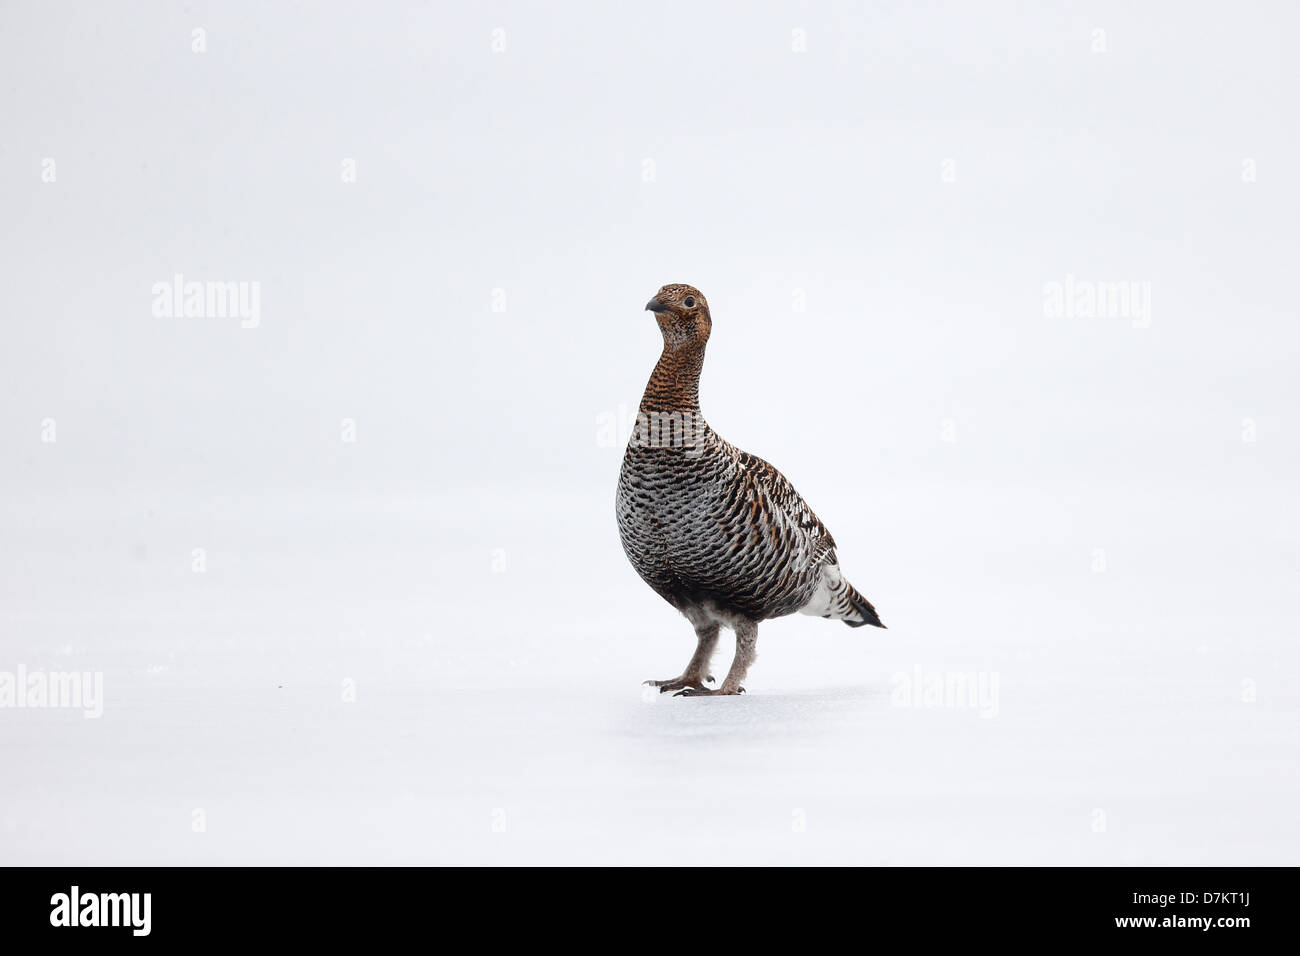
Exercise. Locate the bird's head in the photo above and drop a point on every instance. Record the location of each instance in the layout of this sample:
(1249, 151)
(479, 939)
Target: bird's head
(682, 314)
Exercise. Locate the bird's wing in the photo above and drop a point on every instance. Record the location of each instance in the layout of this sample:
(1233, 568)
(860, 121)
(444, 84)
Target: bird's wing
(788, 510)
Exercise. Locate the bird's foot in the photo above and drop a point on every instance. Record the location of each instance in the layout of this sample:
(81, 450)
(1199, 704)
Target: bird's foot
(679, 683)
(723, 691)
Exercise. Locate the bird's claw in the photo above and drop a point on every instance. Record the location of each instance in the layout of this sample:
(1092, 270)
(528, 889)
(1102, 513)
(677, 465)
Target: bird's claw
(678, 683)
(708, 692)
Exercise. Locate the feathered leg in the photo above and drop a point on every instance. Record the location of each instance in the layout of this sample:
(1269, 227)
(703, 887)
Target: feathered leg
(697, 671)
(746, 651)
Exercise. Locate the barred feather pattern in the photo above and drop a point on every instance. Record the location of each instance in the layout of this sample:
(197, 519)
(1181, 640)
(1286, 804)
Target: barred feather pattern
(711, 528)
(715, 527)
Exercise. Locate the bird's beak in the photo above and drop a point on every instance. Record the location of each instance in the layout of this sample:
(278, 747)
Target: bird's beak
(654, 305)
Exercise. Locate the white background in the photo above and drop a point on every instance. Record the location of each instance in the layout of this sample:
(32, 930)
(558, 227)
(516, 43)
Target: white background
(1072, 506)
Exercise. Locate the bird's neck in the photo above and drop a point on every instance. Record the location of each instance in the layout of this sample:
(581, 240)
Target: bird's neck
(674, 385)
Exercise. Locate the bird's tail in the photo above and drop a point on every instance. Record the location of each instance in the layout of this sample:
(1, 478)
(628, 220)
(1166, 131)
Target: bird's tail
(862, 612)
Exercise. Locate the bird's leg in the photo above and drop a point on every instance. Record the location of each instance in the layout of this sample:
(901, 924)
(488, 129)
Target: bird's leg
(746, 651)
(695, 674)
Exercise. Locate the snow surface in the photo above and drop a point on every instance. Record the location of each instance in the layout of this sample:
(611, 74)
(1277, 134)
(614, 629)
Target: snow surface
(494, 723)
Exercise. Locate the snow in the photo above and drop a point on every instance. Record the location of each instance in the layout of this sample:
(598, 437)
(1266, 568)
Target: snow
(495, 722)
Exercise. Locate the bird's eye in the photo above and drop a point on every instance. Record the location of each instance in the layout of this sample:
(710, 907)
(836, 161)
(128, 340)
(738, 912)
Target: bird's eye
(689, 302)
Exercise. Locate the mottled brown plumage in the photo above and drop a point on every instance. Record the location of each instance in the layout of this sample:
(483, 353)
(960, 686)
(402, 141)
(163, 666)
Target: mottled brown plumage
(718, 533)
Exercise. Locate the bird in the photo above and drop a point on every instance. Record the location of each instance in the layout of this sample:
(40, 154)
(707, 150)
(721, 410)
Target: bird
(718, 533)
